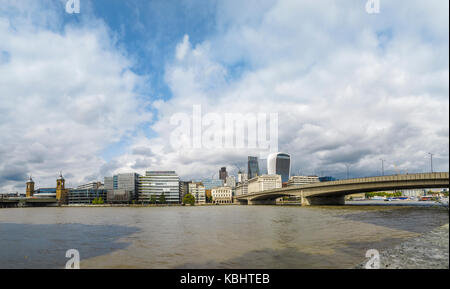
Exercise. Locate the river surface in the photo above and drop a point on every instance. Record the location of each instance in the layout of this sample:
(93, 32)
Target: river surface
(207, 236)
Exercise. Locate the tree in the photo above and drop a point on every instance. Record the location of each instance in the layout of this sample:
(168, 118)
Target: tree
(189, 199)
(153, 199)
(162, 198)
(100, 201)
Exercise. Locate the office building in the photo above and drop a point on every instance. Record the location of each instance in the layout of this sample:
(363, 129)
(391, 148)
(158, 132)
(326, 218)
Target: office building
(241, 188)
(302, 180)
(128, 182)
(222, 195)
(264, 183)
(223, 174)
(184, 189)
(198, 191)
(279, 164)
(85, 196)
(92, 185)
(120, 196)
(242, 177)
(253, 167)
(157, 183)
(230, 182)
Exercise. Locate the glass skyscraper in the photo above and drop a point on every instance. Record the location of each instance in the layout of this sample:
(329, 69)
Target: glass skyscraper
(253, 167)
(279, 164)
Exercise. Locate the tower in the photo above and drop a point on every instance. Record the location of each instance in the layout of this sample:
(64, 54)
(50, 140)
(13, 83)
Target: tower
(30, 188)
(61, 192)
(279, 164)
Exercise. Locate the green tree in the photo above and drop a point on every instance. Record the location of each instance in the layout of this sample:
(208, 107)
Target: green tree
(162, 198)
(100, 201)
(153, 199)
(189, 199)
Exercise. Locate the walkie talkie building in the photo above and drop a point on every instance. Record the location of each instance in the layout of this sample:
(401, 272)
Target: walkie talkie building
(279, 164)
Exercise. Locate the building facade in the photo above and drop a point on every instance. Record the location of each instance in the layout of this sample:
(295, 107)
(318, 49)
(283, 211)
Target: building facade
(198, 191)
(302, 180)
(241, 188)
(253, 167)
(264, 183)
(91, 185)
(230, 182)
(279, 164)
(85, 196)
(222, 195)
(157, 183)
(127, 182)
(223, 174)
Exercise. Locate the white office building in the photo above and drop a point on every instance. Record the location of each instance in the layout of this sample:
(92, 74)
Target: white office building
(158, 182)
(264, 183)
(198, 191)
(222, 195)
(302, 180)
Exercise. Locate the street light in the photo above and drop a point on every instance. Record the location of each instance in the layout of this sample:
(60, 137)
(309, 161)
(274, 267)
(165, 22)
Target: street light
(348, 173)
(382, 166)
(431, 159)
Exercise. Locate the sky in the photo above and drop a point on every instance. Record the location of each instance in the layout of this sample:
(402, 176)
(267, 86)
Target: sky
(95, 93)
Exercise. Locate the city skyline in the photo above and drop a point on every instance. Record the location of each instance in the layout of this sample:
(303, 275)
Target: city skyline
(99, 100)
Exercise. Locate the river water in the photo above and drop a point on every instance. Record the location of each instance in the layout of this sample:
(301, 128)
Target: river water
(207, 236)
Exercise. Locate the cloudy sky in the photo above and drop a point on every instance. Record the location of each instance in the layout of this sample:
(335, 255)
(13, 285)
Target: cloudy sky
(94, 93)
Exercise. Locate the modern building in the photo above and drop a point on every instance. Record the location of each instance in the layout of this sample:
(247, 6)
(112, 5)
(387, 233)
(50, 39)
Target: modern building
(45, 193)
(264, 183)
(91, 185)
(157, 183)
(223, 174)
(127, 182)
(184, 189)
(230, 182)
(253, 167)
(327, 179)
(222, 195)
(120, 196)
(242, 177)
(302, 180)
(85, 196)
(279, 164)
(198, 191)
(210, 183)
(241, 188)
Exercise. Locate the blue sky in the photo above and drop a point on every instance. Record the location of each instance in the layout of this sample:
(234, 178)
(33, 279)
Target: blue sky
(98, 90)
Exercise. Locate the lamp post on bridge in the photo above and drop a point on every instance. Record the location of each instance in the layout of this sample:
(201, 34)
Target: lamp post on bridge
(382, 166)
(348, 170)
(431, 160)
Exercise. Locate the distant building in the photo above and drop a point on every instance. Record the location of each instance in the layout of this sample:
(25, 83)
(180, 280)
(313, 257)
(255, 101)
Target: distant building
(241, 188)
(223, 174)
(198, 191)
(61, 191)
(327, 179)
(210, 183)
(222, 195)
(242, 177)
(230, 182)
(302, 180)
(279, 164)
(184, 189)
(85, 196)
(253, 167)
(158, 182)
(91, 185)
(128, 182)
(30, 188)
(264, 183)
(45, 193)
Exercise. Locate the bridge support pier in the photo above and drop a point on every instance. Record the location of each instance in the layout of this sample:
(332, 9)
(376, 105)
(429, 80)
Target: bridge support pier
(262, 202)
(323, 201)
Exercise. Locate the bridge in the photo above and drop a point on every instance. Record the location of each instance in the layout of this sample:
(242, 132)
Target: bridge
(333, 193)
(27, 202)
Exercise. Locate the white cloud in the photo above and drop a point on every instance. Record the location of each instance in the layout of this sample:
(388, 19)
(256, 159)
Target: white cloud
(64, 97)
(349, 87)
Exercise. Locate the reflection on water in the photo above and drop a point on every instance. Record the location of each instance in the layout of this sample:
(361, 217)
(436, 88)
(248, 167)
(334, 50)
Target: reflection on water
(207, 237)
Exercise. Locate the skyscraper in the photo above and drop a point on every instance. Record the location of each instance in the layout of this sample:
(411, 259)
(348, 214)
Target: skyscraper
(157, 183)
(223, 174)
(279, 164)
(253, 167)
